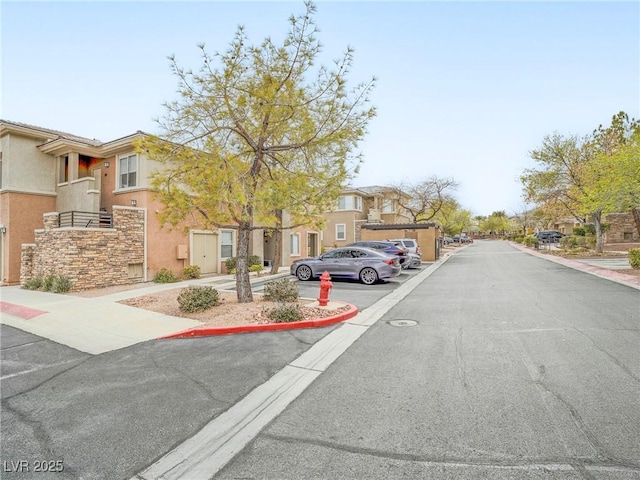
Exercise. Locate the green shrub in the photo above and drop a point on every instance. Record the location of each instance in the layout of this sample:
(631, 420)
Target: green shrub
(634, 257)
(281, 290)
(165, 275)
(198, 299)
(61, 285)
(256, 268)
(589, 241)
(519, 239)
(34, 283)
(589, 229)
(232, 262)
(191, 271)
(285, 313)
(530, 241)
(47, 283)
(579, 231)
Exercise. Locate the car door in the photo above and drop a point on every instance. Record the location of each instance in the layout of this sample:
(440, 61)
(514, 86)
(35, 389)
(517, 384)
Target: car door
(352, 262)
(331, 262)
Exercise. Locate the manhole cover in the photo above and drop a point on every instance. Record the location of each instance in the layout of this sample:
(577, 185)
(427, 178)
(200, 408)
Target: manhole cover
(403, 323)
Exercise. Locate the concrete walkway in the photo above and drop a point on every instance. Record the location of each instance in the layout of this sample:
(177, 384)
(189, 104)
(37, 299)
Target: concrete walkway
(610, 268)
(99, 324)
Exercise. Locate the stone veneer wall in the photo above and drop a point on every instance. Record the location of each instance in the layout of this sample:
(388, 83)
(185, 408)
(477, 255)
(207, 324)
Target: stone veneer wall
(89, 257)
(619, 224)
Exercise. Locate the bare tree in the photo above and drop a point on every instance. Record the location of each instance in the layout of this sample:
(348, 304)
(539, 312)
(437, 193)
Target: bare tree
(423, 200)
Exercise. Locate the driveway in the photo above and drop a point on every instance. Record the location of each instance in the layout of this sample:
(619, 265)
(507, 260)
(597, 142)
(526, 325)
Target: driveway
(500, 365)
(109, 416)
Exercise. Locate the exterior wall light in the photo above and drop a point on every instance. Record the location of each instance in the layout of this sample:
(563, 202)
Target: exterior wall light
(3, 229)
(134, 203)
(107, 164)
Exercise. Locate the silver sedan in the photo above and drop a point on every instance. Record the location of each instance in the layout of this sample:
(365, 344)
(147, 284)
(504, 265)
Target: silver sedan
(358, 263)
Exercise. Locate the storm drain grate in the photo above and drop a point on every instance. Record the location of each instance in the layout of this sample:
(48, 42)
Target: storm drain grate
(402, 323)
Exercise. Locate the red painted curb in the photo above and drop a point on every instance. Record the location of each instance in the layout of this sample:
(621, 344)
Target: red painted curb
(20, 311)
(265, 327)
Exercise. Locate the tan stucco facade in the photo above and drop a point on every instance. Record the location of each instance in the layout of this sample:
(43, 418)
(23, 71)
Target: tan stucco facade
(47, 171)
(20, 215)
(425, 234)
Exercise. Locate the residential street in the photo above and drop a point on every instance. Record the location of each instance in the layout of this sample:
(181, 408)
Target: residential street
(500, 365)
(517, 368)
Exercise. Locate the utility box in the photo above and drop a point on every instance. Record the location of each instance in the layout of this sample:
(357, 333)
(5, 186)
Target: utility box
(182, 252)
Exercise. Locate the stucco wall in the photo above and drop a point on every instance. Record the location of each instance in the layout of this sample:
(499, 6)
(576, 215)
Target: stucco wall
(347, 217)
(79, 195)
(26, 168)
(427, 238)
(90, 258)
(20, 214)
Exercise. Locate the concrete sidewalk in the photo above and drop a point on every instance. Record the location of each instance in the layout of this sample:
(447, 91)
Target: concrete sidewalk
(610, 268)
(99, 324)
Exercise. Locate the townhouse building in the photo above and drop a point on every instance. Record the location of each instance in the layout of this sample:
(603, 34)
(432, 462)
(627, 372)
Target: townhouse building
(54, 183)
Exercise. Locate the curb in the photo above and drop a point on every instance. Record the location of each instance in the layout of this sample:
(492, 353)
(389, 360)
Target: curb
(265, 327)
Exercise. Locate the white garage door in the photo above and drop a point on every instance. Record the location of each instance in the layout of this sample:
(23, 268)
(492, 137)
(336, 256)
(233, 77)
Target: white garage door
(205, 252)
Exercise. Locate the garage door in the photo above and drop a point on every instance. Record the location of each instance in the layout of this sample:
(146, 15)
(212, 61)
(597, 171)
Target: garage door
(205, 252)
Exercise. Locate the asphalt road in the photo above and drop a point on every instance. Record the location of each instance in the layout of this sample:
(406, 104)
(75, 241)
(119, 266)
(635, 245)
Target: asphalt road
(505, 366)
(68, 414)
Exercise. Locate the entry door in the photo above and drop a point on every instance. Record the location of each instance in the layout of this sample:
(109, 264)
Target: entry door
(312, 244)
(205, 252)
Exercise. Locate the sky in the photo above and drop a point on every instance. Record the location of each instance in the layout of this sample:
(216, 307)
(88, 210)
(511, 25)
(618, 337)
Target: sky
(464, 89)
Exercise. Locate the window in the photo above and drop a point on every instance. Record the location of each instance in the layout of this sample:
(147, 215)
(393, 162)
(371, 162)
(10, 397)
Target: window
(341, 231)
(63, 175)
(387, 206)
(628, 236)
(295, 244)
(128, 171)
(226, 243)
(350, 203)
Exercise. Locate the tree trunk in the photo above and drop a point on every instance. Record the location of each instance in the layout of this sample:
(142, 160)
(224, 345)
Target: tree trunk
(636, 217)
(277, 240)
(597, 218)
(243, 285)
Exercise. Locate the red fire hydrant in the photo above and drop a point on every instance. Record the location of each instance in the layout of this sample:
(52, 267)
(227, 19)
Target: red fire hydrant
(325, 286)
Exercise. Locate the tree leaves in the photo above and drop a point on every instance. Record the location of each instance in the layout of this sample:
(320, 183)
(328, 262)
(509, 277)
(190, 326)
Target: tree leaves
(259, 129)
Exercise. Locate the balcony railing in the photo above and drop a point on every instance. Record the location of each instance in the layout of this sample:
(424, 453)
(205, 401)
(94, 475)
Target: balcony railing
(85, 219)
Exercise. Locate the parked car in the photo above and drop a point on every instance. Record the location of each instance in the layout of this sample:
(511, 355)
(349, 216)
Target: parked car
(409, 244)
(548, 236)
(412, 248)
(462, 239)
(386, 247)
(364, 264)
(447, 240)
(415, 260)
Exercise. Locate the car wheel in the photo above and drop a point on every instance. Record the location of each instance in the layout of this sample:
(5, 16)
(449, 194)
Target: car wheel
(303, 273)
(368, 276)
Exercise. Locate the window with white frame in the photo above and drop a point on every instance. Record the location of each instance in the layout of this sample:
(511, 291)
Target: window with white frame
(128, 165)
(387, 206)
(341, 231)
(350, 202)
(226, 243)
(295, 244)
